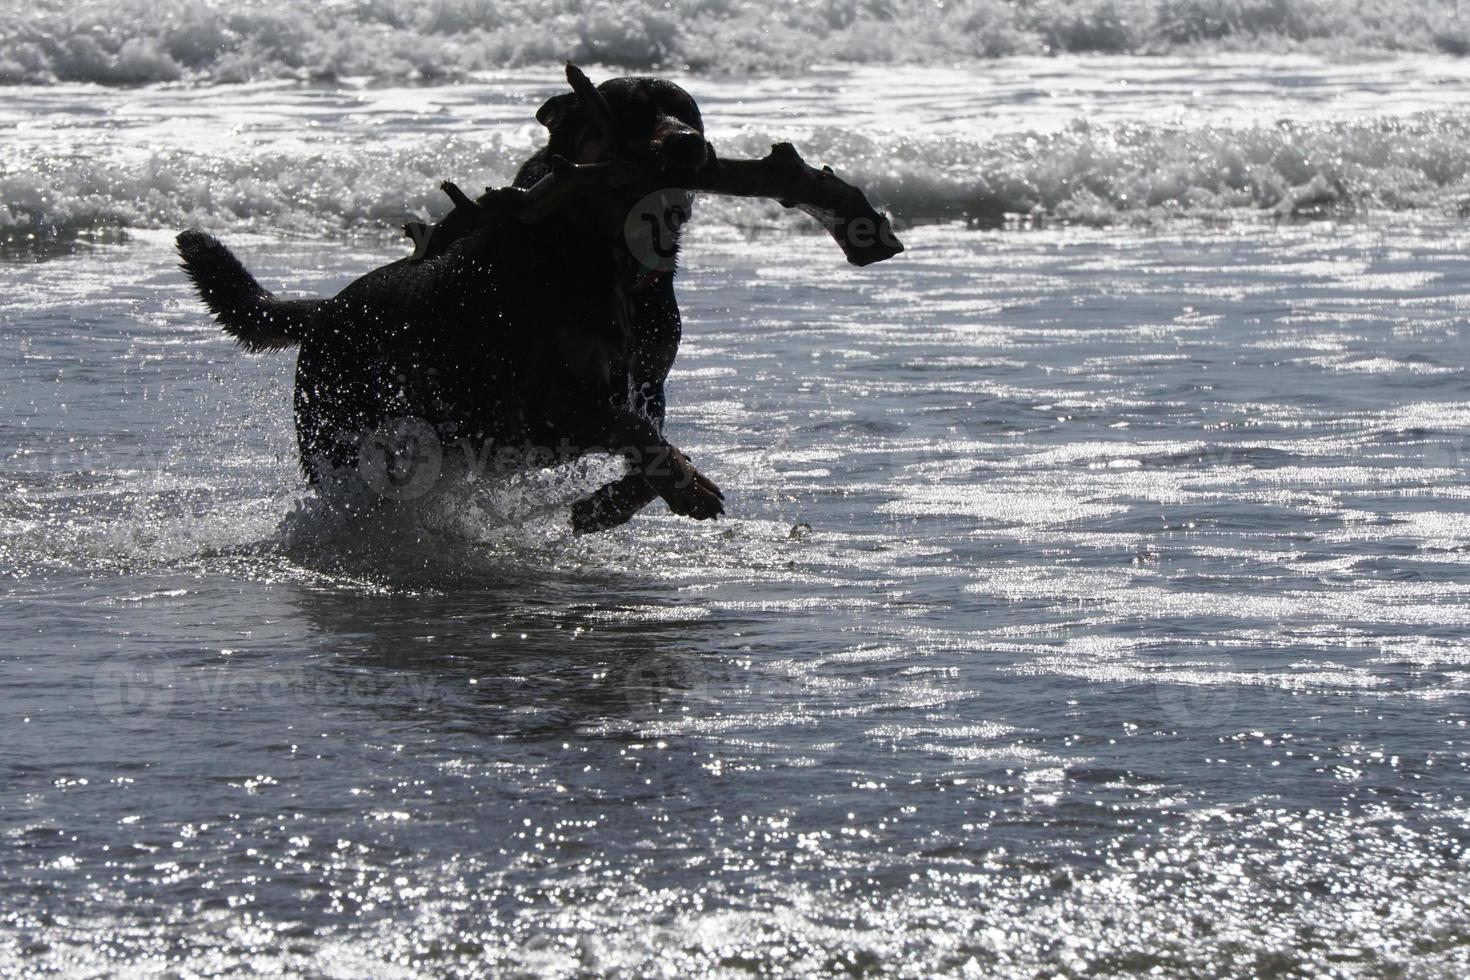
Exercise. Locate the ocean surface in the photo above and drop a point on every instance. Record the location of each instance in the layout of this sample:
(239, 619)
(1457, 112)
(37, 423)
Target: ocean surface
(1094, 596)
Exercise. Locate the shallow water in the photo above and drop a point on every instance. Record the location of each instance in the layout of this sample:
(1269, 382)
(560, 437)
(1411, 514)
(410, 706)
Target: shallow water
(1091, 600)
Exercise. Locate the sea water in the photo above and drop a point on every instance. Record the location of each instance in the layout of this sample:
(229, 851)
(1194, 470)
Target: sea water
(1093, 596)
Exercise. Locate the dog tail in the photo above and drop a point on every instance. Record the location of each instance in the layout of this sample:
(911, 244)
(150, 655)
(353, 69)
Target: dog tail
(245, 308)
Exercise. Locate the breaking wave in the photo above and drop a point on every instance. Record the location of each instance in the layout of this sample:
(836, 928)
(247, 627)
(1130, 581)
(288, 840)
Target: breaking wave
(119, 42)
(1090, 174)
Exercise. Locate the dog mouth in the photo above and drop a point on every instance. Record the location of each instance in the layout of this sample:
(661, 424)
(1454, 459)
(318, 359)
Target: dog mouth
(683, 149)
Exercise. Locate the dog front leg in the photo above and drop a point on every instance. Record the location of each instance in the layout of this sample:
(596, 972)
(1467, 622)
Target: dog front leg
(613, 504)
(664, 471)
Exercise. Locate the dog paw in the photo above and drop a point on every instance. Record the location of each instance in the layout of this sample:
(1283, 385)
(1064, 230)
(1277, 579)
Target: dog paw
(688, 492)
(696, 502)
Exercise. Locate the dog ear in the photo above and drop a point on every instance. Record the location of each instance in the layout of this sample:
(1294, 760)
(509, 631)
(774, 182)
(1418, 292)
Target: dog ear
(556, 109)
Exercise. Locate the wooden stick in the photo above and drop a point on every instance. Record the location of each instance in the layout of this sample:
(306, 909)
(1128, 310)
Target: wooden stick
(864, 233)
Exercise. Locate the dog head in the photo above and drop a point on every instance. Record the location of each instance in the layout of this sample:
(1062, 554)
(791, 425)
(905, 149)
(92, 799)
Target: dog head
(654, 122)
(649, 122)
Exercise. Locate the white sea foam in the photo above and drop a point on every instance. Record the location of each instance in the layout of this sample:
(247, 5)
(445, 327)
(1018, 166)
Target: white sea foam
(131, 41)
(1152, 175)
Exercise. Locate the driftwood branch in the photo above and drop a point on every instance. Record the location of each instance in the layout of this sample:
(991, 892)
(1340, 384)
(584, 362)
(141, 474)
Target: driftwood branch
(492, 207)
(864, 233)
(570, 182)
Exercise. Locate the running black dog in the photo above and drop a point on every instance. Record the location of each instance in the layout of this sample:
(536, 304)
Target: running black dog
(539, 319)
(551, 336)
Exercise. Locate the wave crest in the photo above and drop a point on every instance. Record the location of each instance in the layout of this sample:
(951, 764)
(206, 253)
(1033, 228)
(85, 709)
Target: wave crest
(135, 41)
(1084, 173)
